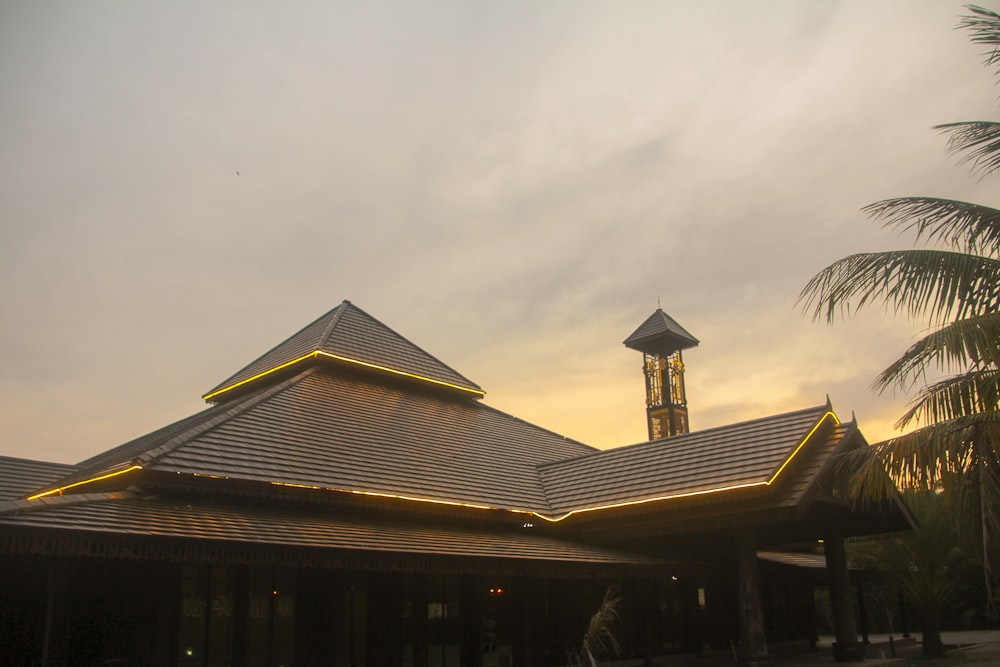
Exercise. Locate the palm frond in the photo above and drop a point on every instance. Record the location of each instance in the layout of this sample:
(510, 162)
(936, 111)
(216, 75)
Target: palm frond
(938, 284)
(954, 397)
(600, 637)
(923, 459)
(965, 226)
(973, 343)
(984, 24)
(979, 143)
(864, 477)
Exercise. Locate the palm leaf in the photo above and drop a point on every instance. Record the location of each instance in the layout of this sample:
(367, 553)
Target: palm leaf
(978, 141)
(967, 227)
(923, 459)
(954, 397)
(984, 24)
(937, 283)
(600, 637)
(973, 342)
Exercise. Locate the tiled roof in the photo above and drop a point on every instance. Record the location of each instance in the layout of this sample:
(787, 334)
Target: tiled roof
(20, 477)
(739, 455)
(660, 327)
(349, 334)
(136, 514)
(351, 433)
(345, 433)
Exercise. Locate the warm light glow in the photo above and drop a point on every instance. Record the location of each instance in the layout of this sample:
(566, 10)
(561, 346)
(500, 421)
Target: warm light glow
(209, 397)
(675, 496)
(86, 481)
(395, 496)
(804, 441)
(556, 519)
(336, 357)
(298, 486)
(703, 492)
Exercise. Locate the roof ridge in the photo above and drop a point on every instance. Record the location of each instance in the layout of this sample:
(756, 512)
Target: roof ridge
(334, 321)
(849, 430)
(230, 381)
(469, 383)
(542, 428)
(536, 468)
(144, 456)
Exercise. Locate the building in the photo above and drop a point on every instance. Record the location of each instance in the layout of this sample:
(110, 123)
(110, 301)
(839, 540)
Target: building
(349, 499)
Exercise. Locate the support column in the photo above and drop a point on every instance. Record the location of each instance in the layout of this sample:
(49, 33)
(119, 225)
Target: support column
(53, 639)
(420, 630)
(753, 640)
(471, 593)
(902, 615)
(846, 648)
(863, 614)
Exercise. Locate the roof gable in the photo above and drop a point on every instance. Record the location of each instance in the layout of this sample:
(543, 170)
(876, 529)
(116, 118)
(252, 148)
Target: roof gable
(348, 335)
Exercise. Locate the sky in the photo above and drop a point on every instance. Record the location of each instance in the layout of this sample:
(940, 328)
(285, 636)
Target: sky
(513, 186)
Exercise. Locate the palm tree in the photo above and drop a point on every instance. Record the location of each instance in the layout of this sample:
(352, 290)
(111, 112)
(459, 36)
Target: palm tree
(600, 637)
(928, 566)
(954, 285)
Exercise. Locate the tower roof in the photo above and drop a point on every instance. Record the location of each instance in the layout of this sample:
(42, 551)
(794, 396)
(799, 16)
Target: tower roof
(350, 336)
(660, 334)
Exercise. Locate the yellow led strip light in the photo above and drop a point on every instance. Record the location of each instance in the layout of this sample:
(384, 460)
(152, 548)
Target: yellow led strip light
(336, 357)
(689, 494)
(85, 481)
(396, 496)
(675, 496)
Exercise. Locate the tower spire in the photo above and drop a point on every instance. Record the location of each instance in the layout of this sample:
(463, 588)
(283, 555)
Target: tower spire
(660, 339)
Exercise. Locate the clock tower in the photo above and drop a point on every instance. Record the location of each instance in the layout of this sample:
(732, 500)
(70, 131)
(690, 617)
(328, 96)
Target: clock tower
(660, 339)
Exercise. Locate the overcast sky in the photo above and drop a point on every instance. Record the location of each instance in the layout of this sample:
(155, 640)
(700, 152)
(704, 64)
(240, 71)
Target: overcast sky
(511, 185)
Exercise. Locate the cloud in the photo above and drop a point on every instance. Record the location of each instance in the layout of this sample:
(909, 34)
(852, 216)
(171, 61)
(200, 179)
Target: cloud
(513, 186)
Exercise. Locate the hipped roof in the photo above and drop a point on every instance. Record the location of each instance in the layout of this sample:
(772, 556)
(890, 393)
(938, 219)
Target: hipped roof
(356, 434)
(661, 334)
(348, 335)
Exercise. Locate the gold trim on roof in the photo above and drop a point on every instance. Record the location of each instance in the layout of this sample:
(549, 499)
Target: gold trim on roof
(60, 489)
(349, 360)
(556, 519)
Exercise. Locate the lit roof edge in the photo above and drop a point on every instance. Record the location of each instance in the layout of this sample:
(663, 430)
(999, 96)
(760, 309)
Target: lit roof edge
(829, 414)
(98, 478)
(551, 519)
(336, 357)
